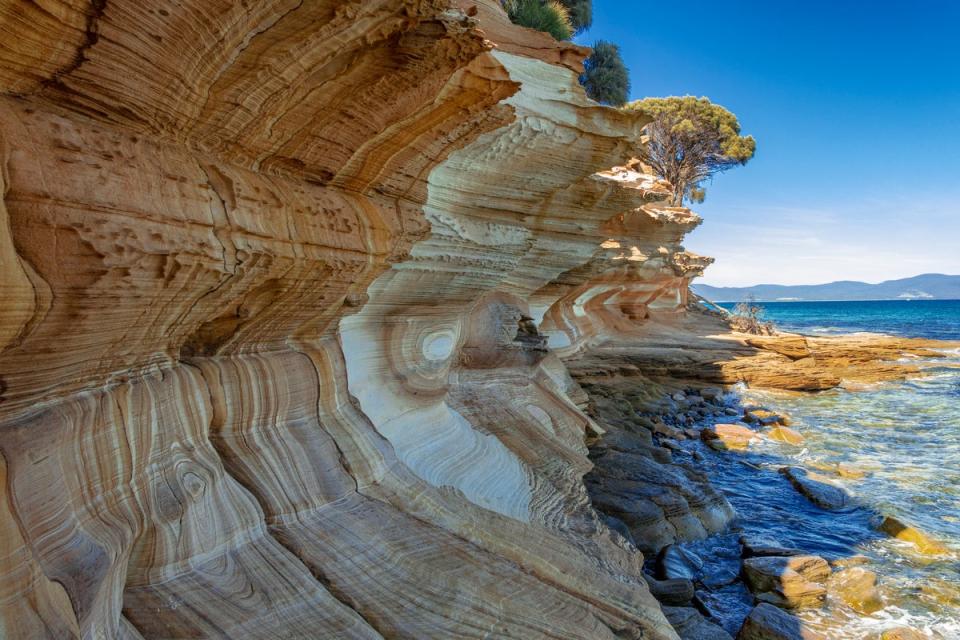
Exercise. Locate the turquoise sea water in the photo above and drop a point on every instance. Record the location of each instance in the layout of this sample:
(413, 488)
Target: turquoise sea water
(938, 319)
(904, 437)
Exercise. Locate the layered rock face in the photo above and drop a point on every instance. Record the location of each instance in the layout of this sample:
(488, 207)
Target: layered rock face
(284, 286)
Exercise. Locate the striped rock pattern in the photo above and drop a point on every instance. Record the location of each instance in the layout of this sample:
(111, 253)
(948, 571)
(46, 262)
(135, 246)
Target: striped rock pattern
(274, 276)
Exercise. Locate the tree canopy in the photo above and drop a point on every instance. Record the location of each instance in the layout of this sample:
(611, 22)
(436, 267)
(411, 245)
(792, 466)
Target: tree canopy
(690, 140)
(605, 78)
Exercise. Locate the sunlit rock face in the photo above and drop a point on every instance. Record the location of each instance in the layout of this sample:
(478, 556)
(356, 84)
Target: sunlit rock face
(283, 284)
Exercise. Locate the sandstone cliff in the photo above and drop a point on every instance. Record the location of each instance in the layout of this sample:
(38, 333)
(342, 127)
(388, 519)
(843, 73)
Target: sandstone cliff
(272, 276)
(285, 287)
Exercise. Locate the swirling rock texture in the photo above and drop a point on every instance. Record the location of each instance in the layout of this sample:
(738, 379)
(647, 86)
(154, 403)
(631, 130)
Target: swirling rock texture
(286, 287)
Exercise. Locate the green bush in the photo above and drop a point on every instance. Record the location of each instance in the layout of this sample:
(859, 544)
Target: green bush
(580, 12)
(550, 16)
(605, 78)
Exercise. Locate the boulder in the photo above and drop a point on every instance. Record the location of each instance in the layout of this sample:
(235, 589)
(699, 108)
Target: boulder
(857, 588)
(767, 622)
(675, 562)
(793, 582)
(691, 625)
(729, 436)
(785, 434)
(673, 445)
(901, 531)
(766, 417)
(727, 606)
(719, 577)
(711, 393)
(817, 488)
(627, 442)
(666, 430)
(661, 455)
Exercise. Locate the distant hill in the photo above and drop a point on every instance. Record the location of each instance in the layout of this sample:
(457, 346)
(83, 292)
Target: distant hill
(929, 286)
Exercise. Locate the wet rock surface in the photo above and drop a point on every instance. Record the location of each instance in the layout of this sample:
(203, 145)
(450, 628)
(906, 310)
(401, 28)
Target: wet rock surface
(730, 574)
(819, 489)
(903, 633)
(691, 625)
(793, 582)
(857, 588)
(674, 561)
(729, 436)
(900, 530)
(767, 622)
(785, 435)
(754, 545)
(675, 592)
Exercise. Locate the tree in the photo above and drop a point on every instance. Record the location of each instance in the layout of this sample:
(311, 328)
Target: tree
(690, 140)
(581, 13)
(549, 16)
(605, 78)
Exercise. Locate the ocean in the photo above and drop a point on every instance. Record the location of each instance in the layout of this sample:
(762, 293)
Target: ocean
(903, 437)
(937, 319)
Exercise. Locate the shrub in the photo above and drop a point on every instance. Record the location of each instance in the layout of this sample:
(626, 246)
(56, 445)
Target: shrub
(747, 317)
(549, 16)
(581, 13)
(605, 78)
(690, 140)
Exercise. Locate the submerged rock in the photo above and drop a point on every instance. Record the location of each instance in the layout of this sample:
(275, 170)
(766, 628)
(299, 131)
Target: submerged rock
(767, 622)
(857, 588)
(901, 531)
(753, 546)
(785, 434)
(817, 488)
(852, 561)
(903, 633)
(791, 582)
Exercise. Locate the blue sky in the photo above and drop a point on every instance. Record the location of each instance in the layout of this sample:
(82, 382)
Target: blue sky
(856, 111)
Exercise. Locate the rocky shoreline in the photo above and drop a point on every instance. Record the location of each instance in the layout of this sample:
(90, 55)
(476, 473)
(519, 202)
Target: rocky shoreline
(712, 580)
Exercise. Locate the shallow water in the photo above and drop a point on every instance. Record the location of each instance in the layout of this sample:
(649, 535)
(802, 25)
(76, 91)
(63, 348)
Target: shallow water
(905, 438)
